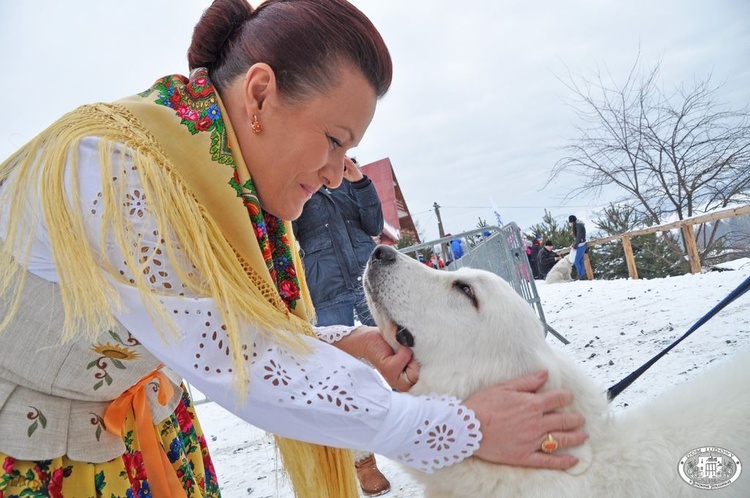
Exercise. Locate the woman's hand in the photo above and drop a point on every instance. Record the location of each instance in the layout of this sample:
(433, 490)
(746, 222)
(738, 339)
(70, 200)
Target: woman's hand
(515, 420)
(399, 369)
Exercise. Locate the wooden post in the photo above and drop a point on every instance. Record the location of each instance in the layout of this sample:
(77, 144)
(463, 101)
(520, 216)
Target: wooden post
(629, 258)
(692, 248)
(587, 265)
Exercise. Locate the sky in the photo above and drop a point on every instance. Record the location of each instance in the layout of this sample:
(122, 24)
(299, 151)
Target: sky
(614, 326)
(476, 114)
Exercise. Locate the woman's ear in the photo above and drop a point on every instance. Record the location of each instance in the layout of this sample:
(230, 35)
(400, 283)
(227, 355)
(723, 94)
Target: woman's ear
(259, 87)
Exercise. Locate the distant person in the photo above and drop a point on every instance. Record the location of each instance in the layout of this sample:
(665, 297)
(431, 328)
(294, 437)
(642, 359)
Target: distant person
(457, 248)
(546, 259)
(578, 245)
(536, 247)
(336, 232)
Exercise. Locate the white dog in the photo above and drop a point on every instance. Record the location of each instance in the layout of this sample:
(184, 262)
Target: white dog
(470, 330)
(561, 271)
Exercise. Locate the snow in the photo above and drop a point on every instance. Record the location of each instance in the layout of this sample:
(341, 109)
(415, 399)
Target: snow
(613, 327)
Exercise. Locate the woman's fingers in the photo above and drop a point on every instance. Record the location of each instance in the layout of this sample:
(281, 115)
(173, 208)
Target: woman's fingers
(555, 400)
(515, 421)
(562, 421)
(565, 440)
(409, 376)
(527, 383)
(550, 461)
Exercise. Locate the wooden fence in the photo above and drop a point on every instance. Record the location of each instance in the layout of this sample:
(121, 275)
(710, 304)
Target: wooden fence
(688, 235)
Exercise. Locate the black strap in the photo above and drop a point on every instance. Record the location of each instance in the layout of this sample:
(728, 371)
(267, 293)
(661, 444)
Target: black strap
(615, 390)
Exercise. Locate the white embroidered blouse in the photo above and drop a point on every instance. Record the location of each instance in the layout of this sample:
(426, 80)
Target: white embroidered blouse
(325, 397)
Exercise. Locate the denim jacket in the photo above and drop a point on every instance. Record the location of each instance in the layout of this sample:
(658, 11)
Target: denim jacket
(335, 234)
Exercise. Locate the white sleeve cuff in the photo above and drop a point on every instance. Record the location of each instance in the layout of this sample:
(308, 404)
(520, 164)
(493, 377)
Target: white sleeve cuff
(439, 430)
(333, 333)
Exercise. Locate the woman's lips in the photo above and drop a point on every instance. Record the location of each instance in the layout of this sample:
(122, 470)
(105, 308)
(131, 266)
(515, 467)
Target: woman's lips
(307, 188)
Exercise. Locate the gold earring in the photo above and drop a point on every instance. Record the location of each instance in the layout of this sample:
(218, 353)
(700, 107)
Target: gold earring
(255, 125)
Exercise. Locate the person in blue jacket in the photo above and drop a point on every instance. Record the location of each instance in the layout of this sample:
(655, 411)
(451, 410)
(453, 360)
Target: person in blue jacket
(578, 245)
(335, 232)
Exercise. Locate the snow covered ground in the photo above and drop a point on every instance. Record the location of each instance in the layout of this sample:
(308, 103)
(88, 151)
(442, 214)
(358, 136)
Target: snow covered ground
(614, 327)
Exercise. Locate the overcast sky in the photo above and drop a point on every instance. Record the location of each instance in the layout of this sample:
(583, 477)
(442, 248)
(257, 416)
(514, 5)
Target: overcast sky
(476, 113)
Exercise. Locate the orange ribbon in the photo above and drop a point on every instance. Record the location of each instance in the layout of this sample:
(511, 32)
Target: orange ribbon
(162, 477)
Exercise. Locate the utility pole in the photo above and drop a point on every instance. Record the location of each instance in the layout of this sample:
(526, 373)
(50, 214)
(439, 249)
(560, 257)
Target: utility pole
(443, 247)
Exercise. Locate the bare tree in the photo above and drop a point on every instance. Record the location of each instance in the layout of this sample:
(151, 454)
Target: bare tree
(670, 154)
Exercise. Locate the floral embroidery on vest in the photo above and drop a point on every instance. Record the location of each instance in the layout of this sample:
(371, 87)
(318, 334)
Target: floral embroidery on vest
(37, 418)
(195, 102)
(113, 354)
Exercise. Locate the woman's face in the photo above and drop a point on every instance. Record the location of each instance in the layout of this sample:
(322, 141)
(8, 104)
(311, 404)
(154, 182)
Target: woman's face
(302, 145)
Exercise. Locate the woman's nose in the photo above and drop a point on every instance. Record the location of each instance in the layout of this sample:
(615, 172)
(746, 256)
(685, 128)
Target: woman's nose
(332, 173)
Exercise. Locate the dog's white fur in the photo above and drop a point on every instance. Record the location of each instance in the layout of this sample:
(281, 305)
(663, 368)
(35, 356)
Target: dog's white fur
(560, 272)
(463, 348)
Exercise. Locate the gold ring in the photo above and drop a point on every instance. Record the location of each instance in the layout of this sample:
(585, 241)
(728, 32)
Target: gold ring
(405, 376)
(550, 444)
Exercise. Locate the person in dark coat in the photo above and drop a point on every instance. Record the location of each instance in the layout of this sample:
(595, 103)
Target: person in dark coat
(536, 247)
(547, 259)
(335, 233)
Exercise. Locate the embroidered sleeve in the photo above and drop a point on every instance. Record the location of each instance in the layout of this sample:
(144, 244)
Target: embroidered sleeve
(324, 396)
(440, 431)
(333, 333)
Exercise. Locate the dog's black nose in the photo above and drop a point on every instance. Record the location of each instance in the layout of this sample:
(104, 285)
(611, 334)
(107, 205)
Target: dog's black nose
(384, 254)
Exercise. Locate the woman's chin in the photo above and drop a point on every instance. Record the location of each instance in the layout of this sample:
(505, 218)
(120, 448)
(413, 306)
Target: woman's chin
(286, 212)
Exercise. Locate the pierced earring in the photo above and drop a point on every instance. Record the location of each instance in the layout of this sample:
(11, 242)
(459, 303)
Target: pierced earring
(255, 125)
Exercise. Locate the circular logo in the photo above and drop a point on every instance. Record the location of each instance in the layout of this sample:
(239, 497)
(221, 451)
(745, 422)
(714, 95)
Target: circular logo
(710, 467)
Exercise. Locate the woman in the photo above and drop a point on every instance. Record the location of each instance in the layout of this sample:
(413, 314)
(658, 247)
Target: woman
(148, 240)
(578, 230)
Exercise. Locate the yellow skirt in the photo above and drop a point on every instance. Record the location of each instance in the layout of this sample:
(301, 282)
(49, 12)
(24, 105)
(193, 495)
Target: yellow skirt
(181, 439)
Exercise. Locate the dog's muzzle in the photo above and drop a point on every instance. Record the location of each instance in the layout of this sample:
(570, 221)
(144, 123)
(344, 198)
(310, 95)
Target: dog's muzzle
(381, 257)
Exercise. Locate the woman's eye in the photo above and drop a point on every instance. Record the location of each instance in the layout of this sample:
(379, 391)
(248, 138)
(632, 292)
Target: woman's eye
(334, 141)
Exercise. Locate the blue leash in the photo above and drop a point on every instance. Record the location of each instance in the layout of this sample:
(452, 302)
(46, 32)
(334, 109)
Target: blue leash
(615, 390)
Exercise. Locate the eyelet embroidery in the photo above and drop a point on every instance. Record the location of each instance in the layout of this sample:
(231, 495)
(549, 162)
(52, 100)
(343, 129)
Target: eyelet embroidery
(135, 203)
(150, 249)
(333, 333)
(283, 369)
(438, 444)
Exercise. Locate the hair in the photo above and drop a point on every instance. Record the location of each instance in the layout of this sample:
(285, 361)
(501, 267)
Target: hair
(305, 42)
(548, 243)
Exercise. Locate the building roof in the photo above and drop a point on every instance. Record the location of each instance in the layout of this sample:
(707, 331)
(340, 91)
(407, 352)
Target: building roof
(395, 211)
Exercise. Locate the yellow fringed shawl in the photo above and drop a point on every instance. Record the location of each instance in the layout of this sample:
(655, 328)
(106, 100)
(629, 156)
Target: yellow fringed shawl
(198, 190)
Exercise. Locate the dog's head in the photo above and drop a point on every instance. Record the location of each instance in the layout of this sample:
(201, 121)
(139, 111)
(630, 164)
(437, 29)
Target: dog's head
(468, 329)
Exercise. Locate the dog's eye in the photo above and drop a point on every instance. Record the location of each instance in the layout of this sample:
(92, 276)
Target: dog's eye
(466, 290)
